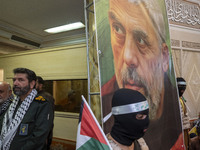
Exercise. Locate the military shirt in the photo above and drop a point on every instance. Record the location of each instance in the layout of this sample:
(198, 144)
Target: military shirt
(32, 132)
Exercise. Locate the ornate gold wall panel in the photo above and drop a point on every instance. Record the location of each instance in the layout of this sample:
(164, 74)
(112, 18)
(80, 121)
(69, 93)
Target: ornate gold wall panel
(184, 13)
(184, 20)
(187, 65)
(176, 54)
(191, 72)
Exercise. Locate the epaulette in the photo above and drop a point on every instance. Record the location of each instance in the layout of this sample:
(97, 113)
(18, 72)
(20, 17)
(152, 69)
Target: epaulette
(40, 98)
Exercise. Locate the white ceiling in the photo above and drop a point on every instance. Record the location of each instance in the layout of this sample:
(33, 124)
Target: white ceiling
(28, 19)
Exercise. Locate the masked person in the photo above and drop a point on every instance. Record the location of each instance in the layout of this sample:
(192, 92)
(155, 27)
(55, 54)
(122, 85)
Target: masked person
(185, 119)
(131, 119)
(142, 61)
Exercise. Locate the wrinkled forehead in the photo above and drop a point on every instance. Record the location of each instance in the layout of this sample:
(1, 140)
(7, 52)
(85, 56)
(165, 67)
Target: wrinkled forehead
(20, 75)
(127, 12)
(127, 5)
(3, 88)
(147, 12)
(3, 85)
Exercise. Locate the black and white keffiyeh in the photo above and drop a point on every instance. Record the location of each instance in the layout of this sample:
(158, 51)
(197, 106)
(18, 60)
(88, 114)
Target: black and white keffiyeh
(11, 123)
(6, 104)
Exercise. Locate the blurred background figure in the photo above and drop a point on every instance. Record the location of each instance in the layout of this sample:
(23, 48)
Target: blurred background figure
(185, 119)
(41, 92)
(195, 141)
(71, 102)
(40, 89)
(131, 120)
(26, 123)
(6, 96)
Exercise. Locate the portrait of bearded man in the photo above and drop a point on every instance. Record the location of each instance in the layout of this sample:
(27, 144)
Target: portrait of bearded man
(139, 45)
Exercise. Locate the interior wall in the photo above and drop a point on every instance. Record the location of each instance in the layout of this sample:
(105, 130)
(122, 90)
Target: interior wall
(183, 16)
(186, 57)
(65, 125)
(1, 74)
(7, 48)
(67, 62)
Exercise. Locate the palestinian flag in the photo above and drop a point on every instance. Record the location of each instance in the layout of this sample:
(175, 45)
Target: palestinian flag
(90, 136)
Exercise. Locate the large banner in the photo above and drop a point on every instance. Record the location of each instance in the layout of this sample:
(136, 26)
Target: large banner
(135, 53)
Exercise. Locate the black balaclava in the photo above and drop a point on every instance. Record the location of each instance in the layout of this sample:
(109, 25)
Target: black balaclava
(126, 104)
(181, 85)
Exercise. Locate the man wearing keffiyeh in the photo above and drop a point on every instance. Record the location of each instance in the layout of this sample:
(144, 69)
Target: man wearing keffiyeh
(27, 122)
(6, 96)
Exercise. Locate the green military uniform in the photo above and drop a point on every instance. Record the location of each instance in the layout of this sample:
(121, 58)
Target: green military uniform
(51, 100)
(32, 132)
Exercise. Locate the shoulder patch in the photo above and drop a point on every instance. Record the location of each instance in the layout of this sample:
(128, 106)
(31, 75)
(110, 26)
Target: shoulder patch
(40, 98)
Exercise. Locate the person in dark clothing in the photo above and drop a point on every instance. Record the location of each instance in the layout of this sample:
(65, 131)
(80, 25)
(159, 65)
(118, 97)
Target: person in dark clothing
(40, 89)
(49, 97)
(26, 124)
(195, 141)
(131, 119)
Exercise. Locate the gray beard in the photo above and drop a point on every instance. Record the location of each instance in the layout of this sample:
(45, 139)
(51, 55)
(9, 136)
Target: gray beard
(152, 91)
(22, 91)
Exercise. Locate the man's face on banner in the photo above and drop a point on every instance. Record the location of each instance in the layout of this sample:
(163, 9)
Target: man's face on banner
(139, 58)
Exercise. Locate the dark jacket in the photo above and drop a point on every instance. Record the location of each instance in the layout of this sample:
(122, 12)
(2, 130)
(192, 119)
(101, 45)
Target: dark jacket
(51, 100)
(33, 130)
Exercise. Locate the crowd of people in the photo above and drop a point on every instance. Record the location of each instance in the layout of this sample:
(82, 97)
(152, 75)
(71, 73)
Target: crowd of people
(26, 113)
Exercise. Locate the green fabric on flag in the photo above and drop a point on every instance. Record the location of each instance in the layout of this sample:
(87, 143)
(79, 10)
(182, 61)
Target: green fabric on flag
(93, 144)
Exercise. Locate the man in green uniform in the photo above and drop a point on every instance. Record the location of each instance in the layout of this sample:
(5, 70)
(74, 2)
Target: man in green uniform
(39, 87)
(27, 122)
